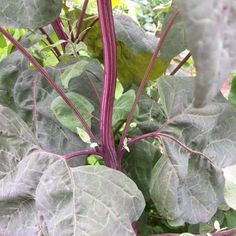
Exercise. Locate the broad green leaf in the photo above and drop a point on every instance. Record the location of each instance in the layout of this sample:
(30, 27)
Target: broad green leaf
(122, 107)
(138, 164)
(230, 219)
(230, 186)
(191, 180)
(88, 200)
(213, 24)
(72, 71)
(29, 94)
(134, 50)
(64, 114)
(24, 14)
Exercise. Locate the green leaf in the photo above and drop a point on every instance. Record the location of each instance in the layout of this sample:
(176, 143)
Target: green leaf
(90, 200)
(64, 114)
(73, 71)
(138, 164)
(29, 94)
(134, 50)
(3, 42)
(232, 93)
(230, 186)
(214, 51)
(230, 219)
(22, 14)
(190, 180)
(122, 107)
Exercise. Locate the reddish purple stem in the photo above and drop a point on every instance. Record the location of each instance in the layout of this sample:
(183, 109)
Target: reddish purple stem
(81, 152)
(109, 83)
(143, 82)
(81, 18)
(57, 26)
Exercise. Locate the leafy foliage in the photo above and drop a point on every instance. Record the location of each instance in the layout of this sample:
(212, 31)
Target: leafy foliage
(172, 171)
(23, 14)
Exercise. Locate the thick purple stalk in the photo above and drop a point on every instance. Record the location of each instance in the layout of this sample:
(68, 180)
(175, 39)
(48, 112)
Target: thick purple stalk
(57, 26)
(143, 83)
(81, 18)
(109, 83)
(50, 80)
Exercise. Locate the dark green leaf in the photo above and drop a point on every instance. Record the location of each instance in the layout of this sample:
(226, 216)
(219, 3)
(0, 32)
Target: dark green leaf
(24, 14)
(138, 164)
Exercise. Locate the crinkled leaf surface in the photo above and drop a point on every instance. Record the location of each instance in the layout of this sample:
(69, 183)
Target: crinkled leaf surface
(29, 94)
(190, 180)
(88, 200)
(42, 195)
(21, 166)
(138, 164)
(211, 32)
(64, 114)
(28, 14)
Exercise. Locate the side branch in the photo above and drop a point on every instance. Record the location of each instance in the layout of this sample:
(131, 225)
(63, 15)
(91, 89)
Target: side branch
(157, 134)
(50, 80)
(144, 81)
(70, 155)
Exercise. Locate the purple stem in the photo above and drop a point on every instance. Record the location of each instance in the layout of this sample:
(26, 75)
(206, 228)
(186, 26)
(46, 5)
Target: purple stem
(158, 134)
(50, 41)
(143, 82)
(109, 83)
(81, 152)
(57, 26)
(180, 64)
(81, 18)
(49, 79)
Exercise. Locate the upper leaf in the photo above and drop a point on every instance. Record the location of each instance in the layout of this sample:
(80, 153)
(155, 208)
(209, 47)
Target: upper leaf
(64, 114)
(211, 32)
(28, 14)
(88, 200)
